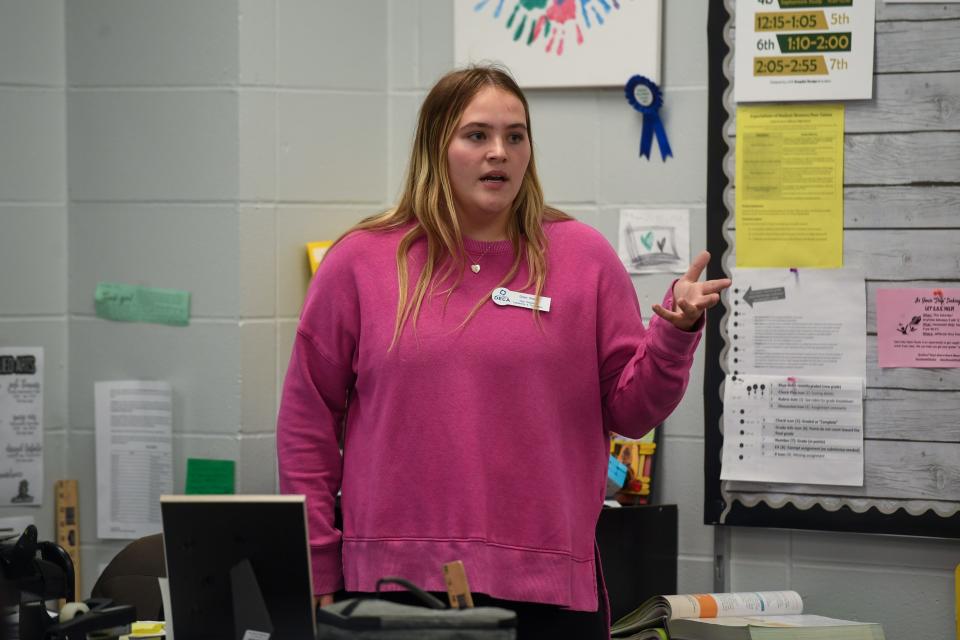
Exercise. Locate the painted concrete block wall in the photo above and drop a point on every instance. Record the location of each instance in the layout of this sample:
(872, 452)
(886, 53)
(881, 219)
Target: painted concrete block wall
(33, 217)
(333, 129)
(209, 141)
(210, 175)
(154, 188)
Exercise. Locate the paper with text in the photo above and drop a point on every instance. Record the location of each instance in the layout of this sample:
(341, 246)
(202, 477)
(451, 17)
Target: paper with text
(799, 50)
(800, 322)
(918, 328)
(789, 185)
(801, 430)
(134, 456)
(21, 425)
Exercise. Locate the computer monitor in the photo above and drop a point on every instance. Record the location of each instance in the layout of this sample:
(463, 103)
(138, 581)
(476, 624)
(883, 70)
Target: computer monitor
(211, 545)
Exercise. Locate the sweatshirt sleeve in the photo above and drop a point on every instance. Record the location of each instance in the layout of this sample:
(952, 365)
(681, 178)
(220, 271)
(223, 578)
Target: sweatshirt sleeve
(643, 372)
(312, 408)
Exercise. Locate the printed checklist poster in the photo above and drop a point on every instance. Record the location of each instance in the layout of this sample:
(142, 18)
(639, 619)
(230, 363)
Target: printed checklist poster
(806, 430)
(793, 322)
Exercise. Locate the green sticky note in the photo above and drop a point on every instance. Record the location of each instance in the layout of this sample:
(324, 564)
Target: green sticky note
(131, 303)
(208, 477)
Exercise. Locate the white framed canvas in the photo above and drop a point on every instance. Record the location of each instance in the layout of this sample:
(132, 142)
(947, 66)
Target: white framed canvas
(561, 43)
(655, 240)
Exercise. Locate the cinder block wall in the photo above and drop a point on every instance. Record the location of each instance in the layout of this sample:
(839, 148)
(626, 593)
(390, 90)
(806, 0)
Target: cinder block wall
(153, 173)
(33, 216)
(209, 141)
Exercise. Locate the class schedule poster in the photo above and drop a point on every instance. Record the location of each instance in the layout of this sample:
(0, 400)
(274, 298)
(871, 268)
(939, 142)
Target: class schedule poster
(792, 50)
(918, 328)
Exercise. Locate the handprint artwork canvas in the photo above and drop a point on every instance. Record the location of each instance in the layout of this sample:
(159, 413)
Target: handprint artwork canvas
(562, 43)
(654, 240)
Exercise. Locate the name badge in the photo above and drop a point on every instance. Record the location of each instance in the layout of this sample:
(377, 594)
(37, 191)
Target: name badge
(506, 298)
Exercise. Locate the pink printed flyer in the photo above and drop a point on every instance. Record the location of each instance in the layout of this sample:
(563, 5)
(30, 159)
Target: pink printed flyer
(918, 328)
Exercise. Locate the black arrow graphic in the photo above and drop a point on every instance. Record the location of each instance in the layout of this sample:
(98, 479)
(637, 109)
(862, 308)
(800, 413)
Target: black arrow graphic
(764, 295)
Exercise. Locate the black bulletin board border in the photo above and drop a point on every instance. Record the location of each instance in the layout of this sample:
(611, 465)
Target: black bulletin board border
(717, 17)
(716, 511)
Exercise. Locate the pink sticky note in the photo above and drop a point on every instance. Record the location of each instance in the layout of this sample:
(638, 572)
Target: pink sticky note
(918, 327)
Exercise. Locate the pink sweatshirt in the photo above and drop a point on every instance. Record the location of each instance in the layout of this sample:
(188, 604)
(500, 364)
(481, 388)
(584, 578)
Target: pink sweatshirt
(486, 443)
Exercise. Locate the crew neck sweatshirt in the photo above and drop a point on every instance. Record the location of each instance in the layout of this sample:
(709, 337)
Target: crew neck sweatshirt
(485, 442)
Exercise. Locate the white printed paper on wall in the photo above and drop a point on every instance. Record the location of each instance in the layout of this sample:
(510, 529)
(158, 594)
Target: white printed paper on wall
(796, 322)
(800, 430)
(21, 425)
(655, 240)
(134, 456)
(789, 50)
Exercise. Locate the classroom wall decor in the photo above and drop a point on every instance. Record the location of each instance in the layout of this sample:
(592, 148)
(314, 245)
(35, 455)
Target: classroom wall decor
(901, 194)
(562, 43)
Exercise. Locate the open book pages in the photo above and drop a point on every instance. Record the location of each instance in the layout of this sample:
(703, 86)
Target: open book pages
(656, 633)
(657, 611)
(787, 627)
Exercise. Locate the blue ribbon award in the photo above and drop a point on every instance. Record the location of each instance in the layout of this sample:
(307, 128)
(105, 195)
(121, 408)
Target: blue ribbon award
(645, 96)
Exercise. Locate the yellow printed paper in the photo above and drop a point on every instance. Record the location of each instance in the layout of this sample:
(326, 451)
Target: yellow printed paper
(316, 251)
(789, 185)
(147, 629)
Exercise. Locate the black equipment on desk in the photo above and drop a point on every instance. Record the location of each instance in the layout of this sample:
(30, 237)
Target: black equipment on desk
(34, 572)
(369, 616)
(238, 563)
(36, 623)
(41, 569)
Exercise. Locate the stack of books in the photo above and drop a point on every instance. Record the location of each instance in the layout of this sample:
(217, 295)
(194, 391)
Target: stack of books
(764, 615)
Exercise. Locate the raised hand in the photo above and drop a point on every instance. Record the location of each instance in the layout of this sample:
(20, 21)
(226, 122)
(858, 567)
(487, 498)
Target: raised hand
(691, 297)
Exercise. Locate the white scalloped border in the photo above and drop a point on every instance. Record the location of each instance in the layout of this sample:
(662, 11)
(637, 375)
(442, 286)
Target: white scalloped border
(778, 500)
(835, 503)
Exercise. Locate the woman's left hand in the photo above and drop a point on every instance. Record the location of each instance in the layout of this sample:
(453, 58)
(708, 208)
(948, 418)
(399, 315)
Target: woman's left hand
(690, 297)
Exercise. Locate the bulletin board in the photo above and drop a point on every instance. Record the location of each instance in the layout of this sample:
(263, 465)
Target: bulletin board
(902, 229)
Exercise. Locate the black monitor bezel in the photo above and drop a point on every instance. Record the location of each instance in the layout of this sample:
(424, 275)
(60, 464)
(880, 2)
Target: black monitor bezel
(206, 536)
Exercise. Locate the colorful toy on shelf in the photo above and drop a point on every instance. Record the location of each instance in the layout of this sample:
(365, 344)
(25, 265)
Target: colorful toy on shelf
(637, 457)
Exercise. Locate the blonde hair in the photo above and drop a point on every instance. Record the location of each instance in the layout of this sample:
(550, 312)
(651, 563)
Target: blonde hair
(427, 200)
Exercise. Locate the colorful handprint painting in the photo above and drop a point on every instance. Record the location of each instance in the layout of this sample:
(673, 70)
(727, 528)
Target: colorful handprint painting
(562, 43)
